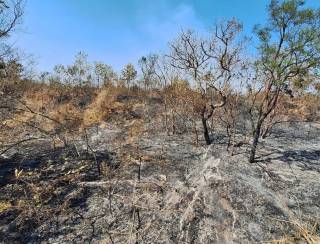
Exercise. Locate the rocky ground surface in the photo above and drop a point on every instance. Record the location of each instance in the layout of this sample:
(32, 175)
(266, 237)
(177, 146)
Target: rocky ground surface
(164, 189)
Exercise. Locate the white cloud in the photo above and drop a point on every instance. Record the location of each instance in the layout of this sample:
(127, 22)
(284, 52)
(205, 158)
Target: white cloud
(162, 26)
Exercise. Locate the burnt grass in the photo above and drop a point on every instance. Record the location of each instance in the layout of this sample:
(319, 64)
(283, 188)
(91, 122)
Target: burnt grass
(160, 189)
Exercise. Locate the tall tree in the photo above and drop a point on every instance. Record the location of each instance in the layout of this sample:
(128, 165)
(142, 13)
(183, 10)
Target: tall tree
(10, 16)
(148, 66)
(11, 12)
(289, 51)
(211, 64)
(104, 74)
(128, 74)
(77, 74)
(80, 71)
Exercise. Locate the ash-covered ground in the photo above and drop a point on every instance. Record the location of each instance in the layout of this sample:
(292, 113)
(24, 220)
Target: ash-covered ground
(163, 189)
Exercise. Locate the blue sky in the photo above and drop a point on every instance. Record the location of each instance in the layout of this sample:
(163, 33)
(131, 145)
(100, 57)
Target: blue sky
(121, 31)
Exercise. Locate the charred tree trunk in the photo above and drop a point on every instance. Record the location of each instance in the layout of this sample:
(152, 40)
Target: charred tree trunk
(255, 142)
(271, 104)
(206, 131)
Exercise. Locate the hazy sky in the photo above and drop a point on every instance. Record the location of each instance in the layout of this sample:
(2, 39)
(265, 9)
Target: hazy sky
(120, 31)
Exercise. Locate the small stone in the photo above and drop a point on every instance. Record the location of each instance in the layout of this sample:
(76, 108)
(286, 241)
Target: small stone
(162, 178)
(291, 203)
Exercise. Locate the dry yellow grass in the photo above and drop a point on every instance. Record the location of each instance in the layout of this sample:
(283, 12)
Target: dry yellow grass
(4, 206)
(102, 106)
(304, 232)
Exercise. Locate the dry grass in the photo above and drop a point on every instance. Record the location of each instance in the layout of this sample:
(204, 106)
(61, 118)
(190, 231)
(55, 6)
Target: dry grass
(303, 234)
(4, 206)
(303, 231)
(101, 107)
(64, 104)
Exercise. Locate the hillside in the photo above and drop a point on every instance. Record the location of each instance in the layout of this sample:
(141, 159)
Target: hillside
(159, 188)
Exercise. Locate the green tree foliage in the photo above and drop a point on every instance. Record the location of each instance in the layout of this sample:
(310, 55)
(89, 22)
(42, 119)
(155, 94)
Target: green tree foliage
(289, 43)
(129, 74)
(104, 74)
(289, 55)
(77, 74)
(83, 73)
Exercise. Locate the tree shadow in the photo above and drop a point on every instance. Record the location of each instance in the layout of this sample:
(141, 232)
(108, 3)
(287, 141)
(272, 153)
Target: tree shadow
(61, 174)
(39, 158)
(295, 132)
(304, 159)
